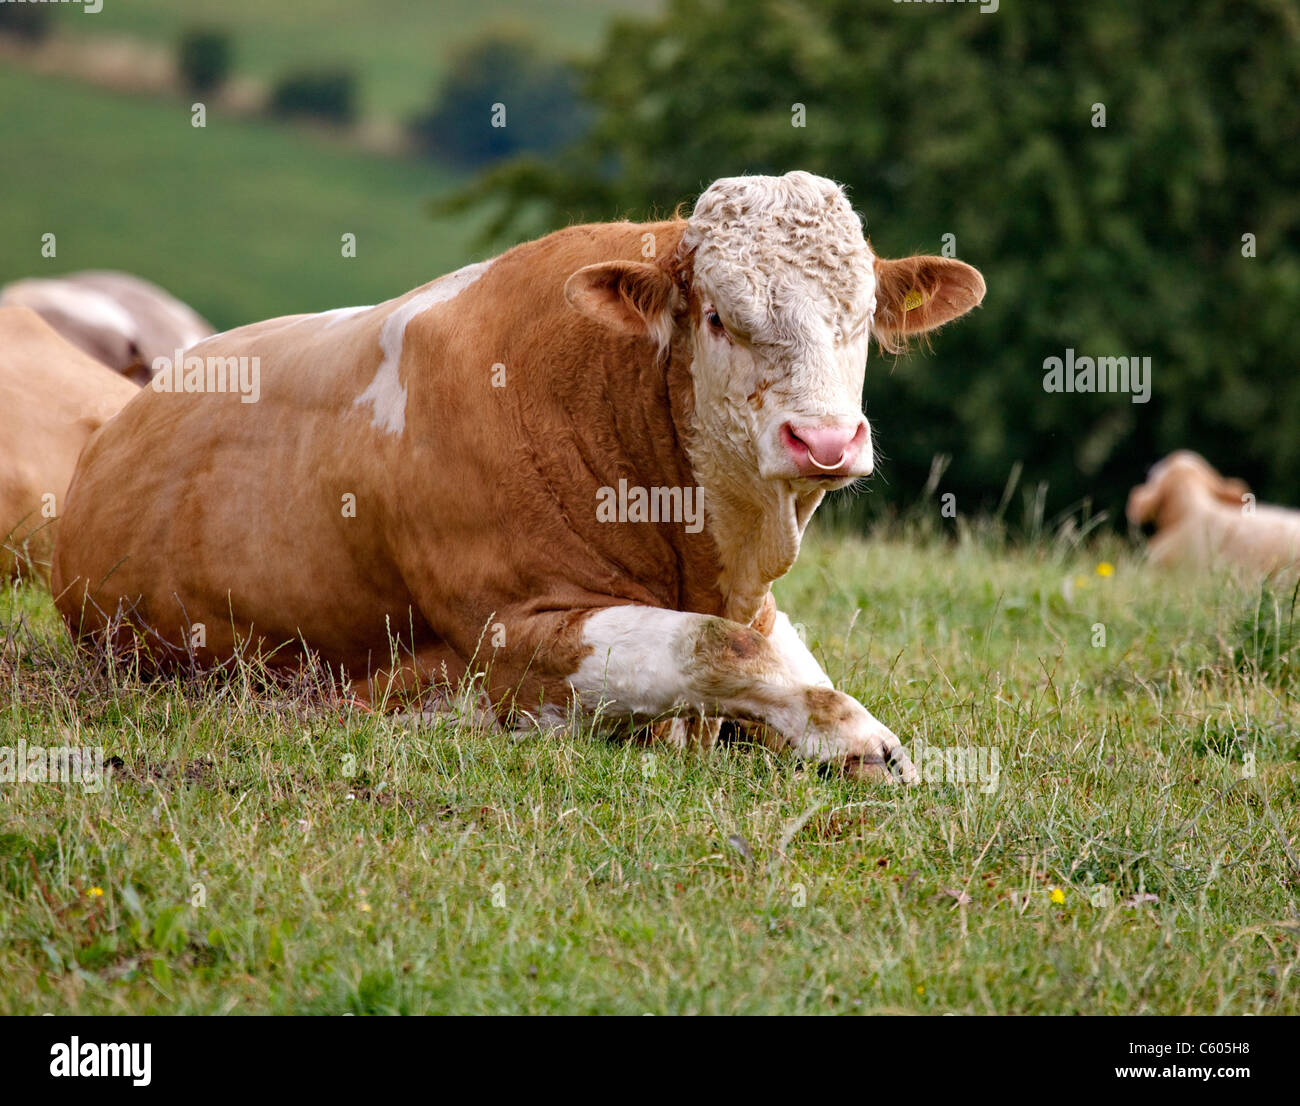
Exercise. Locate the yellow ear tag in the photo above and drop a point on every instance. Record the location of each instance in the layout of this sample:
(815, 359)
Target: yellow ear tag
(912, 300)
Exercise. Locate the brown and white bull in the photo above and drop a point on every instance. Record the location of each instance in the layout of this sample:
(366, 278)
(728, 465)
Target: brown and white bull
(426, 488)
(117, 318)
(52, 399)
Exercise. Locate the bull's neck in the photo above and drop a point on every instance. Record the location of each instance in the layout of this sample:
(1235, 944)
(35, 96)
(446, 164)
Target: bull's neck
(754, 526)
(625, 410)
(757, 527)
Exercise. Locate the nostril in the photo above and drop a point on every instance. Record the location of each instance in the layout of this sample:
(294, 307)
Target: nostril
(791, 438)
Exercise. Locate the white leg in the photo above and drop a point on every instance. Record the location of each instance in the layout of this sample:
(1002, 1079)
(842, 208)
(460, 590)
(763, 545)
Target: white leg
(647, 662)
(786, 641)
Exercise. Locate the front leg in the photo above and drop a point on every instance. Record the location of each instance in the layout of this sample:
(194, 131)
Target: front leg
(786, 641)
(645, 662)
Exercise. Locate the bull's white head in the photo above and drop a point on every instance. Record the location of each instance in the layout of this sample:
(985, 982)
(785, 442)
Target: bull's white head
(778, 294)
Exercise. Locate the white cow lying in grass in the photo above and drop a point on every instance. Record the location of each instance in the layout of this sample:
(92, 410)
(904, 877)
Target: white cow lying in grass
(1203, 519)
(119, 319)
(52, 399)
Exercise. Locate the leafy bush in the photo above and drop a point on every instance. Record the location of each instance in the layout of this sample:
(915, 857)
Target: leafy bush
(204, 60)
(543, 111)
(328, 94)
(29, 21)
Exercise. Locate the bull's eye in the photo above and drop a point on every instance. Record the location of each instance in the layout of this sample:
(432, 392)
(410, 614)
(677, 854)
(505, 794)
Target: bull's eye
(715, 322)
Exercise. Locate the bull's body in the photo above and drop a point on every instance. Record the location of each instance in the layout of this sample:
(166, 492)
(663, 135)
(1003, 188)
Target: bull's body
(416, 491)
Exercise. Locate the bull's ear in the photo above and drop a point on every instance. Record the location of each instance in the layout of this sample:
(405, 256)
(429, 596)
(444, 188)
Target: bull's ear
(916, 294)
(631, 297)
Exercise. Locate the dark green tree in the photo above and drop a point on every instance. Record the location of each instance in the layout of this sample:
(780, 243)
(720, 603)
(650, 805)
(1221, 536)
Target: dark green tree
(25, 21)
(204, 59)
(541, 109)
(325, 94)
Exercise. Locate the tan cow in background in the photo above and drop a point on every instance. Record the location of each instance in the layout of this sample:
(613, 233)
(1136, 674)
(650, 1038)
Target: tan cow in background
(502, 472)
(1205, 520)
(119, 319)
(52, 398)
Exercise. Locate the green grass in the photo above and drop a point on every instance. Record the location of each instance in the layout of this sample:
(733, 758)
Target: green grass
(241, 219)
(398, 48)
(349, 863)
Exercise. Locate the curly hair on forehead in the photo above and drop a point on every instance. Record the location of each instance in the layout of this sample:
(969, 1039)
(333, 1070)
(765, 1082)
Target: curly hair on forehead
(758, 241)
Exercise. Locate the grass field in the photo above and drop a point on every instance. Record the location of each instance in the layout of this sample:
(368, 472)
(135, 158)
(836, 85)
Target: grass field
(398, 48)
(1137, 854)
(241, 219)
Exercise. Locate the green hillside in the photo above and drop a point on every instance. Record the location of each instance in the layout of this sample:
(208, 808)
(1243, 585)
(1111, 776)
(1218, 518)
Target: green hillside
(397, 47)
(242, 219)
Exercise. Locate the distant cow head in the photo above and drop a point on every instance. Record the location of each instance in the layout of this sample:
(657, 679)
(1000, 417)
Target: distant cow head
(90, 320)
(778, 294)
(1171, 480)
(121, 320)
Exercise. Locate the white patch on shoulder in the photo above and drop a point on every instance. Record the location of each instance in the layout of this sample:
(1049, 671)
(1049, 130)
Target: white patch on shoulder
(340, 314)
(386, 393)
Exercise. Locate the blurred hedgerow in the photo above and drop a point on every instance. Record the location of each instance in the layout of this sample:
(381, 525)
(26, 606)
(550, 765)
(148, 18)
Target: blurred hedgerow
(501, 98)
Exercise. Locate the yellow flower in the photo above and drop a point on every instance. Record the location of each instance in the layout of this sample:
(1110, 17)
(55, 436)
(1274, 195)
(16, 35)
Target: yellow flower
(97, 892)
(1057, 896)
(1081, 581)
(920, 988)
(365, 906)
(1105, 569)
